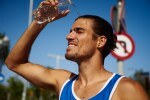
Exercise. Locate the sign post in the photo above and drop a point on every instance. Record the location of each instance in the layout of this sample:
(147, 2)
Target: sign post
(125, 46)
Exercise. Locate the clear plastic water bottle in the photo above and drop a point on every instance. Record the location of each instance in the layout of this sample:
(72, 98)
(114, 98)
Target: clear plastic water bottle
(46, 13)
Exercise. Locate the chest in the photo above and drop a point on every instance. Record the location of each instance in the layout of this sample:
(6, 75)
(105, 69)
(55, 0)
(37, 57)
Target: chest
(85, 92)
(99, 91)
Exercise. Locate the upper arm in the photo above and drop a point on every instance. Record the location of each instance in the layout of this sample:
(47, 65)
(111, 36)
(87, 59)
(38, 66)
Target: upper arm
(129, 89)
(42, 76)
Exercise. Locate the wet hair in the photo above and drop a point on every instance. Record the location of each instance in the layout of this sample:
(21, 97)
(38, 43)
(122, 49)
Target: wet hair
(102, 27)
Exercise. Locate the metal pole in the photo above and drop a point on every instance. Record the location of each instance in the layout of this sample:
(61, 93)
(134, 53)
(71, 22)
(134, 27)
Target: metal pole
(24, 93)
(30, 12)
(57, 62)
(120, 62)
(58, 58)
(120, 67)
(24, 90)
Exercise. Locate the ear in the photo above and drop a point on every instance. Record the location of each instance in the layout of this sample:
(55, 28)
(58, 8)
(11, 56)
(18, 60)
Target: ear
(101, 41)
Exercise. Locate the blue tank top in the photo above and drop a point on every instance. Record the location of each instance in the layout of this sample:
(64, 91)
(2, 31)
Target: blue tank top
(67, 91)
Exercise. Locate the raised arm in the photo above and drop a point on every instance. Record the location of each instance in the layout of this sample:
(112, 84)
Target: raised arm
(18, 62)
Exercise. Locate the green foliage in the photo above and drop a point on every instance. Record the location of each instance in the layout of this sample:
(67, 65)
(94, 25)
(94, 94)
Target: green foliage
(2, 35)
(3, 92)
(15, 88)
(144, 79)
(4, 49)
(40, 93)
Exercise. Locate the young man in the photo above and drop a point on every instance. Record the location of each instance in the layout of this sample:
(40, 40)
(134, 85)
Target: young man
(90, 40)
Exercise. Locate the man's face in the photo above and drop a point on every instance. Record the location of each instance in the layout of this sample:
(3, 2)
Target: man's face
(81, 45)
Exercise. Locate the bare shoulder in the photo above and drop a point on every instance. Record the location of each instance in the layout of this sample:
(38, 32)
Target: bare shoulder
(61, 76)
(129, 89)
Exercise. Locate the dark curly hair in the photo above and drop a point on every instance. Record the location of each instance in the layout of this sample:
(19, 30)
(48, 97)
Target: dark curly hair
(102, 27)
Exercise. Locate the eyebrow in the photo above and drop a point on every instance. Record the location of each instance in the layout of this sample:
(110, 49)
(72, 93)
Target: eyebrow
(77, 29)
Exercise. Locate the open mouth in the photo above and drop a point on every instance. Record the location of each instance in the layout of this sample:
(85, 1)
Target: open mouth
(72, 44)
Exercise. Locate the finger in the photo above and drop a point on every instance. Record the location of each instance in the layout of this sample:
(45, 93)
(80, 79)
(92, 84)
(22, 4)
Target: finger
(65, 13)
(44, 3)
(53, 2)
(59, 16)
(62, 15)
(56, 2)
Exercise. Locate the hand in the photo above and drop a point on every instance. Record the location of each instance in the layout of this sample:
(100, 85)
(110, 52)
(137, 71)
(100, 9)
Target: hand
(54, 3)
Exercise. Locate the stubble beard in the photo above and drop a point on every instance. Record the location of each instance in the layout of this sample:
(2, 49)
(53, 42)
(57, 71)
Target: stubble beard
(71, 57)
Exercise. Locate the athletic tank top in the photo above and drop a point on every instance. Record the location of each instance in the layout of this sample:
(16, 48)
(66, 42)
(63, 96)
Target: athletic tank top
(67, 90)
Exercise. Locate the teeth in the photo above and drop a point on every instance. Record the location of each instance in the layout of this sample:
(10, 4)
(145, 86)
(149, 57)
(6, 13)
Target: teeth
(70, 45)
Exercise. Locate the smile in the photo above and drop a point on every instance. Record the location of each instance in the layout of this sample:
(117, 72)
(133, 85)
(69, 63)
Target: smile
(72, 44)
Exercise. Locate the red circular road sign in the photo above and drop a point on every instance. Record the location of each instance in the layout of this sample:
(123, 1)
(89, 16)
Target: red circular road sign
(125, 47)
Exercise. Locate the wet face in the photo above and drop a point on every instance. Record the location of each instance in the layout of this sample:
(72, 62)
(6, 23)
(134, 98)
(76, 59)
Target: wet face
(81, 44)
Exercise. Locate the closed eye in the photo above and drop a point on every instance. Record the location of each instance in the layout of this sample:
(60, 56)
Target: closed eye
(78, 30)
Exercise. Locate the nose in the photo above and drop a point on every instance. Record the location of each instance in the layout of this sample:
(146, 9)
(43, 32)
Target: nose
(71, 35)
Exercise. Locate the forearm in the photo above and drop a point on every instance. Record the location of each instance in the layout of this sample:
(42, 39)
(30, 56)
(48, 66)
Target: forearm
(20, 52)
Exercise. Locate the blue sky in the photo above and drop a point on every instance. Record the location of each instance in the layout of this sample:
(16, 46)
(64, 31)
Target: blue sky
(14, 20)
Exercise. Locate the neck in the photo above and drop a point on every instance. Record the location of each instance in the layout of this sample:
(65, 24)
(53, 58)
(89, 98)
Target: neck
(91, 70)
